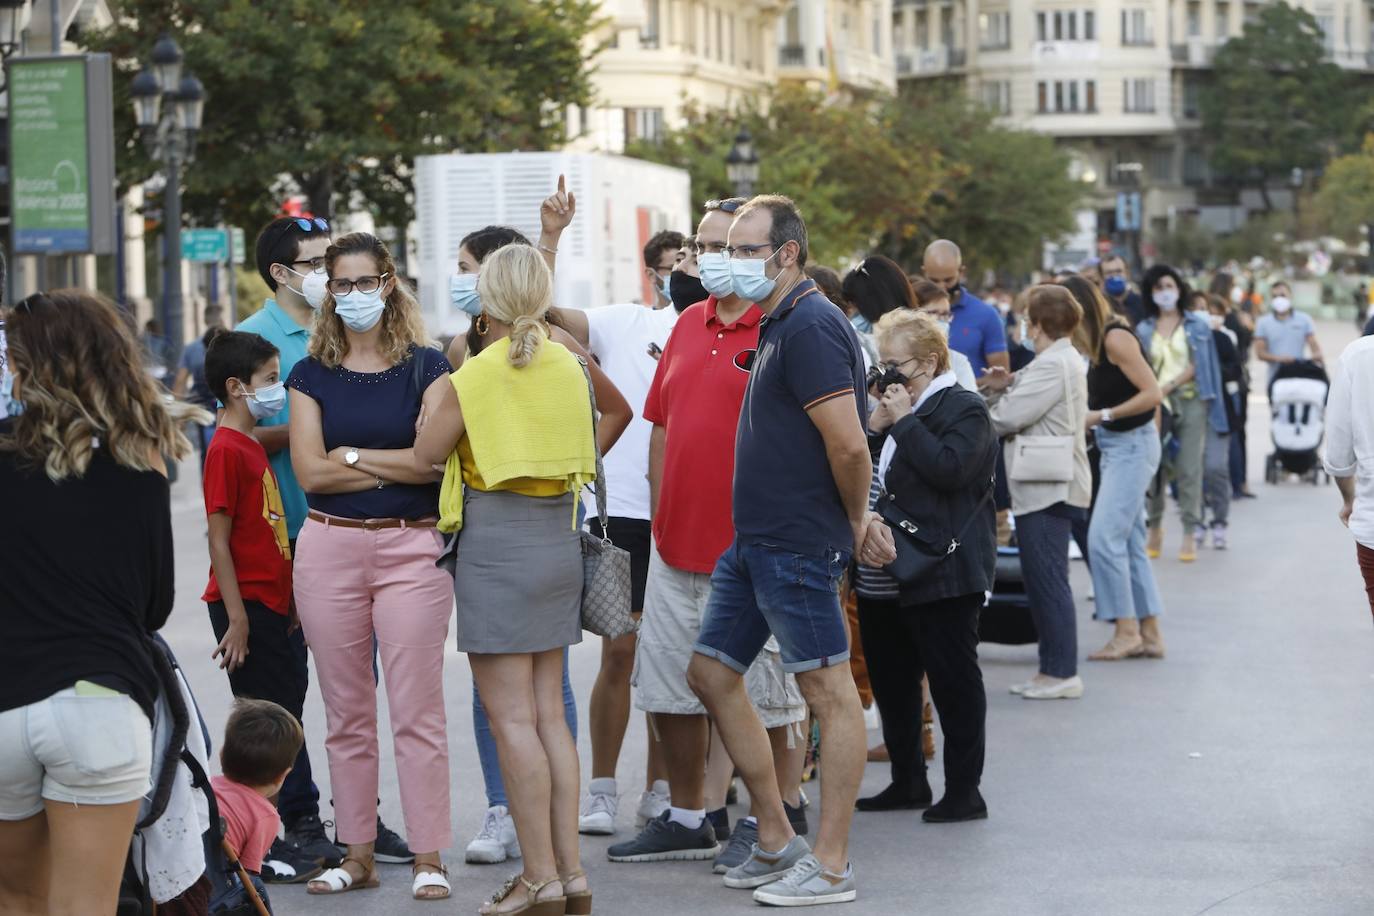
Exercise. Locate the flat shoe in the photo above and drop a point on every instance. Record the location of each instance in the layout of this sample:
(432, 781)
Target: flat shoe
(432, 876)
(339, 880)
(1115, 651)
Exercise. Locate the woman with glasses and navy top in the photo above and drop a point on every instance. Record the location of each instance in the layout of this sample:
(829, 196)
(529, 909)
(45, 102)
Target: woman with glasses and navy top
(365, 560)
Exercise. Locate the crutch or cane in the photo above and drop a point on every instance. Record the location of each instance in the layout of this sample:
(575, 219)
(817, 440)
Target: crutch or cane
(246, 879)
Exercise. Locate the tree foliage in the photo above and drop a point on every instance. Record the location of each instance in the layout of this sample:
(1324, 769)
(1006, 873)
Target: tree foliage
(1345, 200)
(337, 97)
(889, 175)
(1275, 103)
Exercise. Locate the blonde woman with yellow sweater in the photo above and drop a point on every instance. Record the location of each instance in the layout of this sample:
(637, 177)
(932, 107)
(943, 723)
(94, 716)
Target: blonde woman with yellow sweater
(514, 431)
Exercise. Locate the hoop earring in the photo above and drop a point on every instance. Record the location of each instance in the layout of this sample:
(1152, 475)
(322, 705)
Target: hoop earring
(483, 325)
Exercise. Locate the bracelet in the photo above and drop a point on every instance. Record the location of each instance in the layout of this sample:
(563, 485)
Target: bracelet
(380, 483)
(546, 249)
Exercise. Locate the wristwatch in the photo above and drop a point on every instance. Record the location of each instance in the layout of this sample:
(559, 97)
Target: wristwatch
(1105, 414)
(351, 457)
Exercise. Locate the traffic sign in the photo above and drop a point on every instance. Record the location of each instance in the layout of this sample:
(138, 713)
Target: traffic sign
(1128, 211)
(208, 245)
(240, 253)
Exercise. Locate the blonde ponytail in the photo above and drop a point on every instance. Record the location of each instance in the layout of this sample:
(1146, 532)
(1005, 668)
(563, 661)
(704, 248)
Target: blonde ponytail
(525, 337)
(516, 288)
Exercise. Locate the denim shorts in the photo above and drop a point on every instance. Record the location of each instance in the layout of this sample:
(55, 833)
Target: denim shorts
(76, 749)
(761, 588)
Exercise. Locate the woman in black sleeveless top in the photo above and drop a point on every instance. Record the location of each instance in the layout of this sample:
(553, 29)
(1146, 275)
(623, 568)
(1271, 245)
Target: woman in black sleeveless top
(1122, 397)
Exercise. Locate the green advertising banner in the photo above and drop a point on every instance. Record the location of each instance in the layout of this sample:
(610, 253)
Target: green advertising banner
(49, 155)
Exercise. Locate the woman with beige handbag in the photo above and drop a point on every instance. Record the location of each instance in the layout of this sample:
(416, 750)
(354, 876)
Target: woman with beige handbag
(1041, 410)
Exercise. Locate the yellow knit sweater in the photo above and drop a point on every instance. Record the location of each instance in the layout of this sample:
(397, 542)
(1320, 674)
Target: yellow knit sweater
(530, 424)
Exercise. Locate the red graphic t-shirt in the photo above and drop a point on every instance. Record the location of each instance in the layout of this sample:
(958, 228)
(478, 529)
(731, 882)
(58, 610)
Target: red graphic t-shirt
(240, 483)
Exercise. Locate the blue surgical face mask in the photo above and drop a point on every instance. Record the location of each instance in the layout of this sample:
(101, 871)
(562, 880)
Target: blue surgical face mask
(462, 290)
(361, 311)
(267, 401)
(1115, 285)
(13, 406)
(664, 286)
(748, 279)
(714, 268)
(1025, 336)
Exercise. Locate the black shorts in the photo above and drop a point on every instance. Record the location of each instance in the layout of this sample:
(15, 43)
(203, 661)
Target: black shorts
(636, 536)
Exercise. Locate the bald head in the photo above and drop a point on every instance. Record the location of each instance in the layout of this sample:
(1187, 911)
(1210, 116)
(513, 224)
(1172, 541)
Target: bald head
(943, 264)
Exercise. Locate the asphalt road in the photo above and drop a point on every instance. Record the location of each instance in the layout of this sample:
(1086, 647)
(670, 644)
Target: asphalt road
(1229, 778)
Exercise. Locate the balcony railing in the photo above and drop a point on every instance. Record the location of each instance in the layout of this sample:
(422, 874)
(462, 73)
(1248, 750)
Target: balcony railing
(1193, 53)
(931, 62)
(792, 56)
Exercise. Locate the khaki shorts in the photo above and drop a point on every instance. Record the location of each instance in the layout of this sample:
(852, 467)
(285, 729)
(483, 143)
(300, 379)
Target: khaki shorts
(674, 601)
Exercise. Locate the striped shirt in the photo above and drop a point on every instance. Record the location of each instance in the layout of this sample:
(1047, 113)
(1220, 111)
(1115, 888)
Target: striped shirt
(870, 582)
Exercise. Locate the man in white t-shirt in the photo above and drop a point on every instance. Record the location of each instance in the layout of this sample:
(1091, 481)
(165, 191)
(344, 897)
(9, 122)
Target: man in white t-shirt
(627, 341)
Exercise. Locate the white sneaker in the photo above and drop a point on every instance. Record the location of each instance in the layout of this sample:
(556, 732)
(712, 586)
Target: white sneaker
(599, 808)
(496, 841)
(1070, 688)
(652, 803)
(872, 721)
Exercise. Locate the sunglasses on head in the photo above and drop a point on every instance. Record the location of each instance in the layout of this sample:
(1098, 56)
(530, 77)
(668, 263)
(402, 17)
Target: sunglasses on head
(725, 206)
(301, 223)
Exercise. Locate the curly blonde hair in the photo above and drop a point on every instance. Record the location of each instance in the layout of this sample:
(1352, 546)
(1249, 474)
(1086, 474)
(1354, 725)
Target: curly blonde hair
(515, 287)
(82, 380)
(402, 324)
(915, 332)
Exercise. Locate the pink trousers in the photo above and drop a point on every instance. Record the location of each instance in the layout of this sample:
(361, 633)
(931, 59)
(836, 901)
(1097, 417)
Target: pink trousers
(351, 585)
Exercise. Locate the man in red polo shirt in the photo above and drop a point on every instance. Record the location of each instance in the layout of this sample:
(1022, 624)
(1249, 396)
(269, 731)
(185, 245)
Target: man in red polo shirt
(694, 406)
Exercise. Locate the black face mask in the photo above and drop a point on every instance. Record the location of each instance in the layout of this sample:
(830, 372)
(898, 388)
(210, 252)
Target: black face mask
(886, 378)
(954, 292)
(685, 290)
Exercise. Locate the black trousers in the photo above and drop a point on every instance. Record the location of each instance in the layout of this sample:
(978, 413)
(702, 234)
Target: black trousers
(940, 640)
(275, 670)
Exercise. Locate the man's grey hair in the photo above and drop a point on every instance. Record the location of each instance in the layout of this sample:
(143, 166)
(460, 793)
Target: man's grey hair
(788, 225)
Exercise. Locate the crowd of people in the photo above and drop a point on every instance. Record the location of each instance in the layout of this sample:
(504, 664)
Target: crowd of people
(775, 443)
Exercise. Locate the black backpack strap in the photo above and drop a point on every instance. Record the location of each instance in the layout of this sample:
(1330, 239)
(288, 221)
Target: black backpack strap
(164, 665)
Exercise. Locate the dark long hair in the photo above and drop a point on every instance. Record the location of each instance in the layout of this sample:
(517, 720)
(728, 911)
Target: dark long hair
(1147, 287)
(1098, 316)
(876, 287)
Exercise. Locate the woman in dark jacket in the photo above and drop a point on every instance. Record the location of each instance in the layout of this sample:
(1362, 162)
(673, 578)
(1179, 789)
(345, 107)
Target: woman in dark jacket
(936, 462)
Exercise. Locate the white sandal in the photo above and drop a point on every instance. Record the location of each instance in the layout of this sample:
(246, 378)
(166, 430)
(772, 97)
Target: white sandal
(338, 880)
(437, 876)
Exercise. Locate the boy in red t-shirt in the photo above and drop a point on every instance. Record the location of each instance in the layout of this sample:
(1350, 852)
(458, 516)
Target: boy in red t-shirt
(261, 741)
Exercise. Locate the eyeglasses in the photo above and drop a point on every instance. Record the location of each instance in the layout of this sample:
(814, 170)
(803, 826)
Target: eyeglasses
(728, 205)
(316, 264)
(746, 252)
(301, 223)
(342, 286)
(710, 248)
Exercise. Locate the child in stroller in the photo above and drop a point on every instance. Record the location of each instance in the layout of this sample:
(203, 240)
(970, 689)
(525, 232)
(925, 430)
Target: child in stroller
(1297, 400)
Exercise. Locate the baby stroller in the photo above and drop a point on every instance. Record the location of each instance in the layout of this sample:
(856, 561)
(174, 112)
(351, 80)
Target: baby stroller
(1007, 618)
(1297, 401)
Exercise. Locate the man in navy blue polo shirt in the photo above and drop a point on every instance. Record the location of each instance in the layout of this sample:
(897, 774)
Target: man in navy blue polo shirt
(802, 472)
(976, 328)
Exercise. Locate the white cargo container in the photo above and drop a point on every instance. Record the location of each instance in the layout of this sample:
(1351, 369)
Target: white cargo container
(621, 202)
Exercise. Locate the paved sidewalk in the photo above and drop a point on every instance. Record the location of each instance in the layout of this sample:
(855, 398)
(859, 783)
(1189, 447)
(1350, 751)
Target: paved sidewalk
(1231, 778)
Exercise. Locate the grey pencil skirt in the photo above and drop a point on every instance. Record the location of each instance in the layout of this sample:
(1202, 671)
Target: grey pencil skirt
(517, 573)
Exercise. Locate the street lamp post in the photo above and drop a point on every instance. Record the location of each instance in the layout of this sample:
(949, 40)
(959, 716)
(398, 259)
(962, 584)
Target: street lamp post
(169, 132)
(742, 165)
(14, 19)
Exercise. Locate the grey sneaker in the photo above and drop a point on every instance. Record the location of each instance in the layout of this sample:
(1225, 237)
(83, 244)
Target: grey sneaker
(739, 848)
(808, 884)
(665, 840)
(764, 868)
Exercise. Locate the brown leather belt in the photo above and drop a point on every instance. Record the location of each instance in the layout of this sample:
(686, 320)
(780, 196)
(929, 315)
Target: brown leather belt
(373, 524)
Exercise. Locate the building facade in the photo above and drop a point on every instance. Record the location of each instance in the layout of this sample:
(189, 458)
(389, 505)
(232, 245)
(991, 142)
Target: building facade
(838, 45)
(1116, 82)
(660, 57)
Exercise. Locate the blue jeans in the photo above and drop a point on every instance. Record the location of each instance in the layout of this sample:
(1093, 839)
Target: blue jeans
(486, 744)
(758, 589)
(1043, 538)
(1123, 580)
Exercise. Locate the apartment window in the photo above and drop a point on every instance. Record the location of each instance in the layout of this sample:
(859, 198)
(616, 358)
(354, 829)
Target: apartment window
(720, 36)
(1223, 20)
(1192, 98)
(1326, 22)
(1136, 27)
(649, 36)
(733, 41)
(1066, 96)
(898, 30)
(1063, 25)
(922, 31)
(1160, 162)
(1194, 167)
(1194, 18)
(643, 124)
(1139, 96)
(877, 36)
(994, 30)
(997, 96)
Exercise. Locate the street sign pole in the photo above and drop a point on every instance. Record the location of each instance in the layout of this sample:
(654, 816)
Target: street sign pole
(172, 308)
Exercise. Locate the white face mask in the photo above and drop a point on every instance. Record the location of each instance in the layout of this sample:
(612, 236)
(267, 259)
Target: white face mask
(312, 286)
(1237, 294)
(1166, 299)
(1217, 321)
(1282, 304)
